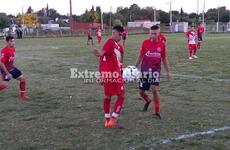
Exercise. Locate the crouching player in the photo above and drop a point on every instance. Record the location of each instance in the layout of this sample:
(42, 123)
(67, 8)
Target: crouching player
(8, 70)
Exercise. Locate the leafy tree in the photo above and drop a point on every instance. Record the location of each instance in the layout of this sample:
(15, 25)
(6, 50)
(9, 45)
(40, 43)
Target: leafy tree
(4, 20)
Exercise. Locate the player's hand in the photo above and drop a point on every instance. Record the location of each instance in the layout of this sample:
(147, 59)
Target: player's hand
(95, 52)
(9, 76)
(170, 76)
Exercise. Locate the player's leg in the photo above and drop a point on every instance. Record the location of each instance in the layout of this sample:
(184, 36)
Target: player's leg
(116, 111)
(91, 40)
(117, 89)
(143, 86)
(4, 85)
(99, 40)
(146, 98)
(22, 86)
(156, 100)
(194, 51)
(198, 44)
(190, 51)
(106, 106)
(88, 40)
(17, 74)
(199, 41)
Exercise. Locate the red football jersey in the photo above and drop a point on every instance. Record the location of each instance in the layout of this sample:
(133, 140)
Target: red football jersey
(7, 57)
(98, 31)
(152, 53)
(200, 30)
(111, 60)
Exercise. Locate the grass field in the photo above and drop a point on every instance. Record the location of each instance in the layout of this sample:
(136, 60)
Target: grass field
(67, 114)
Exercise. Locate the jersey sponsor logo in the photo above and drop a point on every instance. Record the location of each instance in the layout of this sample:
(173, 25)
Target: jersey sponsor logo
(154, 54)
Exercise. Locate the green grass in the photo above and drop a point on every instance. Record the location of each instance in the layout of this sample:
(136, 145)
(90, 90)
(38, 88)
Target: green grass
(53, 120)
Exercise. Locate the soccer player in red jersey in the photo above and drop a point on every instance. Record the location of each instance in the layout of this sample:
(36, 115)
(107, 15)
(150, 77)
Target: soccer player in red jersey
(200, 31)
(8, 70)
(124, 36)
(192, 42)
(110, 63)
(90, 36)
(99, 35)
(151, 54)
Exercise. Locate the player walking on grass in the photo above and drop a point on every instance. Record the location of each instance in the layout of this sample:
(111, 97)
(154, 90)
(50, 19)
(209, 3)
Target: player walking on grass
(110, 63)
(151, 54)
(192, 42)
(200, 32)
(90, 36)
(99, 35)
(8, 70)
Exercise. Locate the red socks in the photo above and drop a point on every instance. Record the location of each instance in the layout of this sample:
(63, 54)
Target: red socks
(118, 107)
(157, 105)
(146, 98)
(107, 108)
(190, 53)
(198, 45)
(22, 86)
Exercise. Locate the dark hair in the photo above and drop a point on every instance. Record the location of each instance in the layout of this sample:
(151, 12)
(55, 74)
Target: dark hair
(118, 28)
(9, 37)
(155, 27)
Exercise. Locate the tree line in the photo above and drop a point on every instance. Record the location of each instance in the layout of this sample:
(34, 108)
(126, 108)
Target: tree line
(122, 15)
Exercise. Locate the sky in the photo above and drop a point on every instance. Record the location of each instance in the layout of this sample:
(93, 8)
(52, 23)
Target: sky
(79, 6)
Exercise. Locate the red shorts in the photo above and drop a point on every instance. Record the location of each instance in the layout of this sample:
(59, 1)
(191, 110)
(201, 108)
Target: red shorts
(192, 46)
(114, 87)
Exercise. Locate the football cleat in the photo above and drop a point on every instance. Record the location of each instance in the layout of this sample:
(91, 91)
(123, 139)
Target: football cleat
(158, 115)
(146, 106)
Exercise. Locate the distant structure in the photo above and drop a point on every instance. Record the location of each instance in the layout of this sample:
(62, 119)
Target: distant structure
(142, 24)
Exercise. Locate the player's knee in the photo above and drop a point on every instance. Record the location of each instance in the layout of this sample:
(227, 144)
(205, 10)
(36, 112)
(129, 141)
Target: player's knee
(22, 78)
(154, 89)
(122, 96)
(142, 93)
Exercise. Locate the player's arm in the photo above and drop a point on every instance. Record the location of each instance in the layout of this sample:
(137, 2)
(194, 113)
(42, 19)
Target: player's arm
(167, 69)
(140, 55)
(139, 60)
(166, 65)
(98, 52)
(3, 67)
(107, 48)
